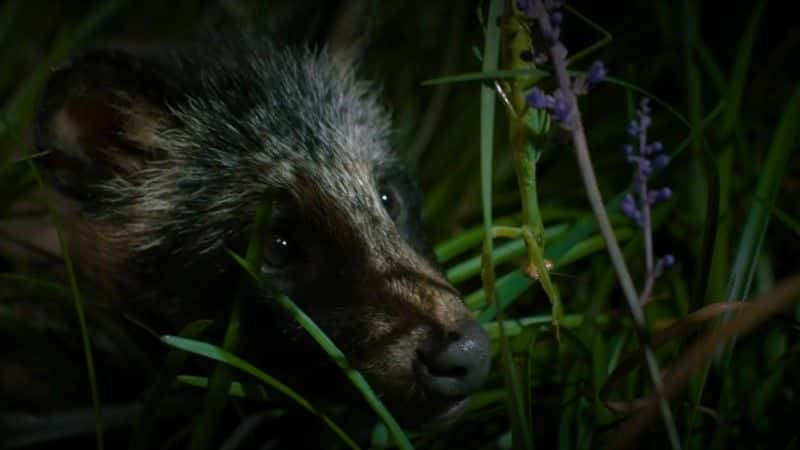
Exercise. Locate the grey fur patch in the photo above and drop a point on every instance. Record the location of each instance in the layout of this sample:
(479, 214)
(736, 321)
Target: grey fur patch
(251, 119)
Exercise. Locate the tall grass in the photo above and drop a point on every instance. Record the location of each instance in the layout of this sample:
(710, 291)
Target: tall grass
(723, 324)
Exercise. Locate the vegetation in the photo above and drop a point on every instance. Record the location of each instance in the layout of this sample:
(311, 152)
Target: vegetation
(701, 299)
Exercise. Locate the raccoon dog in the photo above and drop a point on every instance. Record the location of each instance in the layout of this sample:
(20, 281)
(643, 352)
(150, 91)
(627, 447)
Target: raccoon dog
(168, 157)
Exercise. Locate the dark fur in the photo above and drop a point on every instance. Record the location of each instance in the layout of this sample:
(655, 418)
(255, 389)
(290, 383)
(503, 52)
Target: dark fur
(169, 156)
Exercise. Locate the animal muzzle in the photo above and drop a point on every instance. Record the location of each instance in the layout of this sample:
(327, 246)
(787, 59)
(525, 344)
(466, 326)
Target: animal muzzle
(456, 366)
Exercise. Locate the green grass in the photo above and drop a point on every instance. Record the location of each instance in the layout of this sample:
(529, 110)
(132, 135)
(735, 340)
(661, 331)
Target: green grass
(726, 104)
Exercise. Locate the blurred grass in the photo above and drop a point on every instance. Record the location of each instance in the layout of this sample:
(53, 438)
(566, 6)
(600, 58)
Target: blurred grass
(740, 167)
(218, 354)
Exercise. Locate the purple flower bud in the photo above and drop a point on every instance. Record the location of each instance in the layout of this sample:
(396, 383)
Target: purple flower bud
(596, 74)
(659, 195)
(633, 128)
(525, 7)
(661, 161)
(627, 149)
(556, 18)
(663, 264)
(629, 208)
(656, 146)
(627, 200)
(561, 107)
(526, 55)
(645, 168)
(668, 260)
(537, 99)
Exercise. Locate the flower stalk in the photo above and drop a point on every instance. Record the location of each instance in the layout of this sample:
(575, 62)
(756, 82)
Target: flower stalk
(647, 158)
(564, 103)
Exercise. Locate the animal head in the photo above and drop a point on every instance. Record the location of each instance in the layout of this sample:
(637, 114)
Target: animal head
(169, 158)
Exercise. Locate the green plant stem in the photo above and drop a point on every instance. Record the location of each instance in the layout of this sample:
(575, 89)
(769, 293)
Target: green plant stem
(526, 142)
(521, 432)
(220, 381)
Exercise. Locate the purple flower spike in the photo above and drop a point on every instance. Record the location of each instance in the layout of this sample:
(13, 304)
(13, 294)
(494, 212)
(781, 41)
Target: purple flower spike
(560, 105)
(646, 157)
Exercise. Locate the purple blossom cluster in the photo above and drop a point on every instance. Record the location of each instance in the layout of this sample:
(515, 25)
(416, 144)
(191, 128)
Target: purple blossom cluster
(647, 158)
(557, 103)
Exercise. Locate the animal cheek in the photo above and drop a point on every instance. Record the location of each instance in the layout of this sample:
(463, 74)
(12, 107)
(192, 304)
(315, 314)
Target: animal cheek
(377, 328)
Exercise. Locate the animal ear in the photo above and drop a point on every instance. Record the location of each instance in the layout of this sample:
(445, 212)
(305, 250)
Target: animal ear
(100, 116)
(350, 30)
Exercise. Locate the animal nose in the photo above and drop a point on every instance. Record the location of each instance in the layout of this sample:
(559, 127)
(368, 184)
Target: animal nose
(459, 367)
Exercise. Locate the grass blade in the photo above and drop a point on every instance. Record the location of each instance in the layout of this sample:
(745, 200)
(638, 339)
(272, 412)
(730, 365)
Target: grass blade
(219, 383)
(218, 354)
(336, 355)
(79, 310)
(769, 183)
(173, 363)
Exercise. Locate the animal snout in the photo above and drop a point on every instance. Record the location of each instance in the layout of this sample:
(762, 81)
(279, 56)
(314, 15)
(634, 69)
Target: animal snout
(456, 367)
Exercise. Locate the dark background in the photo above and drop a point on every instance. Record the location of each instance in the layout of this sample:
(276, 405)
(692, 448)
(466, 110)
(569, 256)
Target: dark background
(436, 129)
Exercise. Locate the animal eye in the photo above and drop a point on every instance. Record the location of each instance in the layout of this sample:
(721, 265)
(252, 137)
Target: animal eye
(389, 201)
(279, 252)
